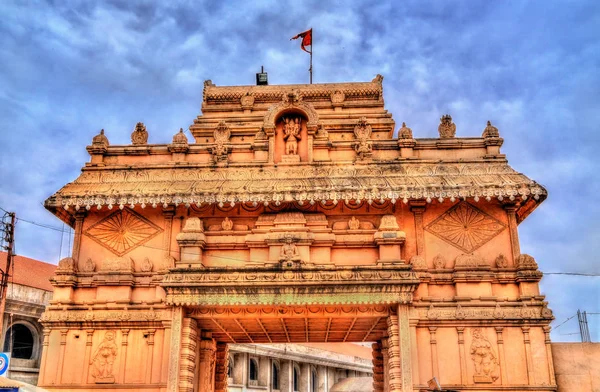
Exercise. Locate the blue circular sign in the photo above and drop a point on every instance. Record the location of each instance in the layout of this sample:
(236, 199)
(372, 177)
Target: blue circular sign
(3, 363)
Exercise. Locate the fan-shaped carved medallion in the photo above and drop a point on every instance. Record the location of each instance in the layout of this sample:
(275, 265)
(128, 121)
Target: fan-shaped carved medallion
(466, 227)
(122, 231)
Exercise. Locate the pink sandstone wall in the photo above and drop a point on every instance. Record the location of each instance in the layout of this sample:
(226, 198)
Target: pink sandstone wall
(577, 366)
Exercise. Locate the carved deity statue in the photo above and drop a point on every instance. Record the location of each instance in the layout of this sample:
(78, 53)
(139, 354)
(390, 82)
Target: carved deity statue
(104, 358)
(484, 358)
(291, 135)
(353, 223)
(446, 129)
(219, 150)
(140, 135)
(227, 224)
(362, 133)
(289, 250)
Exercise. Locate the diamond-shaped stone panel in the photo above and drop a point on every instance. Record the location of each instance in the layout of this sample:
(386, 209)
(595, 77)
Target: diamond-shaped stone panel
(465, 227)
(122, 231)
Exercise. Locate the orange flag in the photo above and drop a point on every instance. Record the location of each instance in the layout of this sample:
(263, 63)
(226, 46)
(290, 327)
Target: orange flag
(306, 39)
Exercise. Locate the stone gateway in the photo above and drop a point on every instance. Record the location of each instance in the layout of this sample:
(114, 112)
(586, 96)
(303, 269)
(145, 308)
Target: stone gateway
(295, 215)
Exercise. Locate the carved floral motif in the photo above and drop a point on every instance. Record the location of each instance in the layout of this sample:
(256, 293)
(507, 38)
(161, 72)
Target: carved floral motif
(337, 98)
(446, 129)
(146, 265)
(103, 360)
(247, 101)
(140, 135)
(123, 231)
(418, 262)
(89, 265)
(439, 262)
(501, 261)
(67, 265)
(526, 262)
(469, 261)
(465, 227)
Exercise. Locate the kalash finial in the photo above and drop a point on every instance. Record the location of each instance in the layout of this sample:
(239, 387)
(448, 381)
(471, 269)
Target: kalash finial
(100, 140)
(405, 132)
(180, 138)
(490, 131)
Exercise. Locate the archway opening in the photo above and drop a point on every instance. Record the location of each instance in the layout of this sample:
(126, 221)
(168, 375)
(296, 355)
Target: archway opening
(19, 341)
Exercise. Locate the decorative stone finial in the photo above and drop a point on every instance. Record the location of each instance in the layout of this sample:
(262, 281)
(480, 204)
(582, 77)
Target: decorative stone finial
(405, 132)
(526, 262)
(247, 101)
(100, 140)
(490, 131)
(447, 128)
(140, 135)
(180, 143)
(180, 138)
(222, 135)
(377, 79)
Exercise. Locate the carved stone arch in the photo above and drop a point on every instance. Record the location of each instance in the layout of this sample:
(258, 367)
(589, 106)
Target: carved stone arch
(304, 108)
(33, 329)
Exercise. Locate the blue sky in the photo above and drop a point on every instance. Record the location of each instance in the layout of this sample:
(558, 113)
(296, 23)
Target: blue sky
(69, 68)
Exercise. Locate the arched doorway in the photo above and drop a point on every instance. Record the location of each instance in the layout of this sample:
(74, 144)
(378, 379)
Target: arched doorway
(19, 341)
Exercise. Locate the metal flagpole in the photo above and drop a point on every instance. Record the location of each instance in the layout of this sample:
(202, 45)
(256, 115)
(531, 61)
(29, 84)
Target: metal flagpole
(312, 48)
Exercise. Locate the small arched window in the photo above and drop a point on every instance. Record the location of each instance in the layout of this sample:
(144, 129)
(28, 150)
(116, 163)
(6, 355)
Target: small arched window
(19, 341)
(275, 376)
(253, 374)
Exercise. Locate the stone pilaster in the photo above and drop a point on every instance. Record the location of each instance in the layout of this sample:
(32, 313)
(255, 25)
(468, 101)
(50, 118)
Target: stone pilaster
(221, 367)
(434, 352)
(124, 344)
(377, 368)
(501, 356)
(168, 214)
(418, 209)
(174, 357)
(45, 343)
(386, 362)
(514, 233)
(61, 355)
(208, 359)
(549, 355)
(528, 357)
(414, 352)
(187, 366)
(462, 355)
(79, 216)
(405, 356)
(150, 359)
(394, 360)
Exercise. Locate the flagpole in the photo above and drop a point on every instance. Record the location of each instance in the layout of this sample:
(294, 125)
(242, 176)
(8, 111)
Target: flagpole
(312, 48)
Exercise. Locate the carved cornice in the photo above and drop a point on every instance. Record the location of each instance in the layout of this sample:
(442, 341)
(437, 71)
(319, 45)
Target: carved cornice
(231, 95)
(289, 296)
(303, 183)
(537, 312)
(226, 287)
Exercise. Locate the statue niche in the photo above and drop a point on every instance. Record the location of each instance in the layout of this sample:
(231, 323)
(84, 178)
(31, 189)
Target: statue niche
(291, 139)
